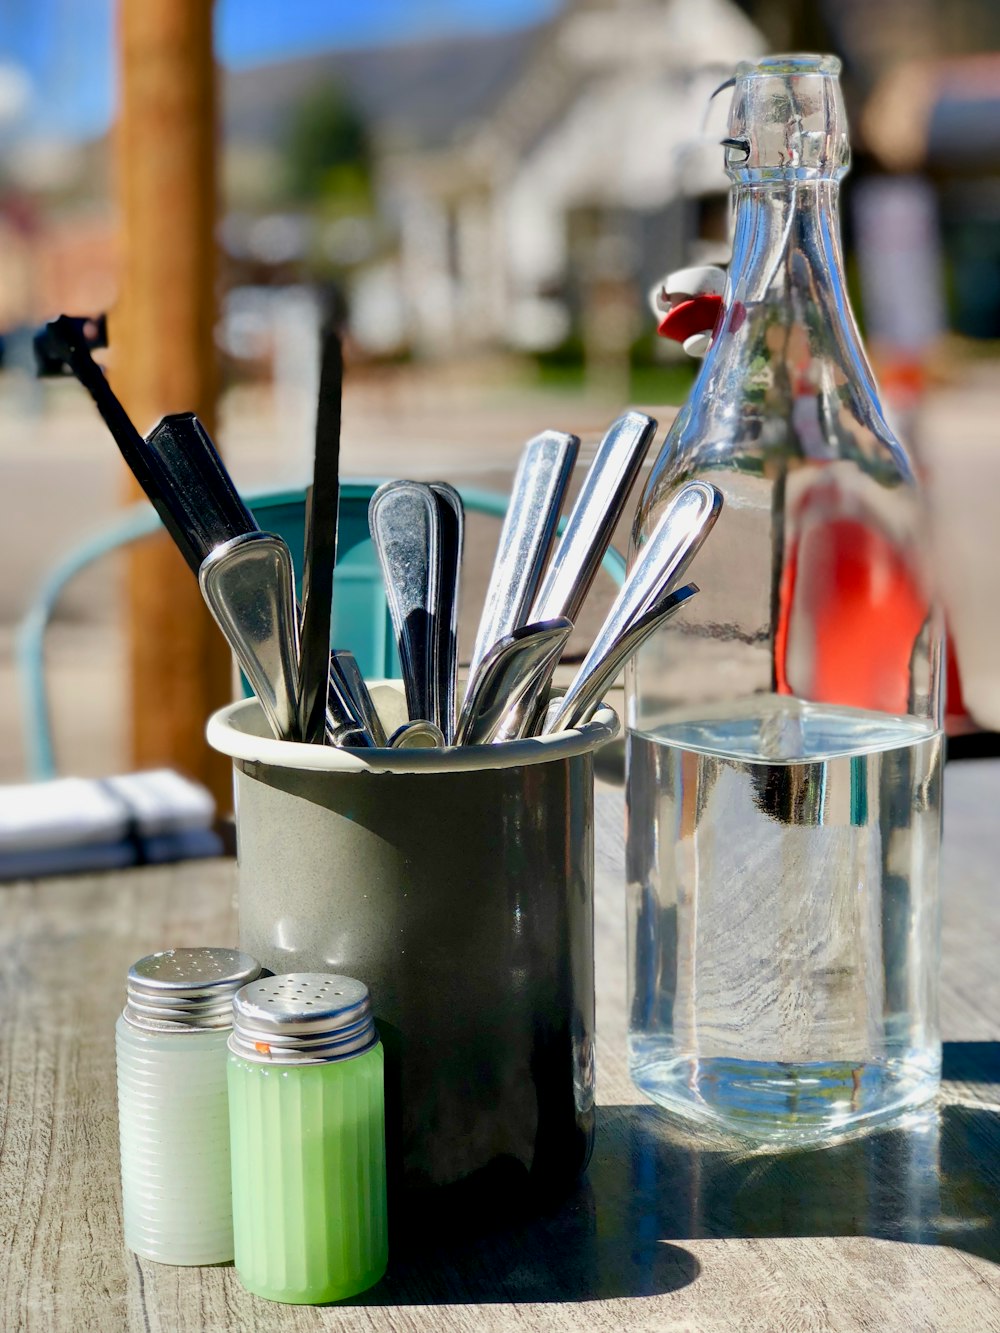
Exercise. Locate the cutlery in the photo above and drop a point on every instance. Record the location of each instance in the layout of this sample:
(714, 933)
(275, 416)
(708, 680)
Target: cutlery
(678, 536)
(343, 710)
(614, 645)
(178, 466)
(417, 735)
(194, 486)
(320, 550)
(593, 518)
(508, 681)
(355, 699)
(451, 514)
(249, 585)
(405, 522)
(525, 540)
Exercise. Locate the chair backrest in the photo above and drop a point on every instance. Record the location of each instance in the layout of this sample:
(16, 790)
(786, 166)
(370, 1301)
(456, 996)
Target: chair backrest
(360, 615)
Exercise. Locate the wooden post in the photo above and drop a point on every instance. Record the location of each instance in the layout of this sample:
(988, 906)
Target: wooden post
(164, 359)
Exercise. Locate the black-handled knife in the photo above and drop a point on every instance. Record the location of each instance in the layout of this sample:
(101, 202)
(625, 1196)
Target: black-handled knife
(320, 553)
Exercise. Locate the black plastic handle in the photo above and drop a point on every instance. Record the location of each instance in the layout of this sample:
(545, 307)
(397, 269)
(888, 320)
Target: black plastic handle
(177, 465)
(191, 480)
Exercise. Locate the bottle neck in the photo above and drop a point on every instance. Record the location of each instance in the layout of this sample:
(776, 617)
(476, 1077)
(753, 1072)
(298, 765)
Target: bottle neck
(786, 370)
(787, 264)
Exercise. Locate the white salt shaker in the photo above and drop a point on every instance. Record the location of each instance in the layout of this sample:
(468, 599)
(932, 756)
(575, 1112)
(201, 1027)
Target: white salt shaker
(173, 1110)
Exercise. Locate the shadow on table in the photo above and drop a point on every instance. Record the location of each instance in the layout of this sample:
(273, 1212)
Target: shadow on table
(971, 1062)
(584, 1250)
(934, 1180)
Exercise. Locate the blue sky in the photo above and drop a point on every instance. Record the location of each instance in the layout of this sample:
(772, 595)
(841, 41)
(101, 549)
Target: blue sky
(65, 46)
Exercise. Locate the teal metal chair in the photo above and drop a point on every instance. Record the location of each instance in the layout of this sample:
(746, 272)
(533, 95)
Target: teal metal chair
(360, 615)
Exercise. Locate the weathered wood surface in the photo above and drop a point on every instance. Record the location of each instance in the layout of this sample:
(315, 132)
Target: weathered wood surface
(896, 1231)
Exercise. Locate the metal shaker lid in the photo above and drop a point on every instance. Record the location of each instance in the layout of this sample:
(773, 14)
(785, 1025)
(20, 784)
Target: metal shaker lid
(302, 1018)
(187, 988)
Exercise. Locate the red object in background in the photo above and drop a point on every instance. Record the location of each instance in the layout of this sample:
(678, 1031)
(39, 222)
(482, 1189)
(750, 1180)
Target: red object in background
(861, 607)
(903, 379)
(957, 717)
(687, 318)
(851, 610)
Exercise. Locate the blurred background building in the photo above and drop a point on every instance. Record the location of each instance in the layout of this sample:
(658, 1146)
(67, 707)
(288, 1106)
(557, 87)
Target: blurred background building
(485, 200)
(517, 188)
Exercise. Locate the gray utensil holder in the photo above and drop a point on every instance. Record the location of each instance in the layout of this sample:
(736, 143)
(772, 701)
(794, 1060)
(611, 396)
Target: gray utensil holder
(458, 885)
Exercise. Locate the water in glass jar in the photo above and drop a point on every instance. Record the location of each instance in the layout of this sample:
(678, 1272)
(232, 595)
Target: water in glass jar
(783, 917)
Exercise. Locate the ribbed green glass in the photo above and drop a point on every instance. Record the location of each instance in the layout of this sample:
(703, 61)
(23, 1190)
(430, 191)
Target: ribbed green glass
(308, 1153)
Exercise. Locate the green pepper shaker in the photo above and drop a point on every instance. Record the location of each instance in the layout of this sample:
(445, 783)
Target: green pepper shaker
(307, 1126)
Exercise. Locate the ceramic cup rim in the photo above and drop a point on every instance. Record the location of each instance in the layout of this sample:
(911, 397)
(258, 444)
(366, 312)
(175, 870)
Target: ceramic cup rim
(240, 731)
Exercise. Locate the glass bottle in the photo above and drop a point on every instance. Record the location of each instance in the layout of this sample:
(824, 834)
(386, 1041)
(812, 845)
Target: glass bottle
(173, 1110)
(784, 741)
(308, 1138)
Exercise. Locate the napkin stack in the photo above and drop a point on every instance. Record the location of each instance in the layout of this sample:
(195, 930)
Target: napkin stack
(77, 824)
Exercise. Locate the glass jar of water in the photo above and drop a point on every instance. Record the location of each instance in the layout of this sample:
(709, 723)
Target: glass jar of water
(784, 743)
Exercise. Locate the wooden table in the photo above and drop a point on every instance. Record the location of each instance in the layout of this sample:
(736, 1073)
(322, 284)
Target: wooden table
(895, 1231)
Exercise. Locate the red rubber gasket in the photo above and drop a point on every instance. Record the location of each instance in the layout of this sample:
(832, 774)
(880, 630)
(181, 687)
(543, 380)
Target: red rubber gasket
(690, 317)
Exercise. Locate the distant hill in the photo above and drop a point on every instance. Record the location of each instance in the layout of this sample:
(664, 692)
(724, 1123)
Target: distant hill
(415, 96)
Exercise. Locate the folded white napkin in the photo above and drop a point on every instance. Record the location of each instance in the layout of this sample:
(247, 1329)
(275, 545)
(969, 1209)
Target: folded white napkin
(64, 812)
(76, 812)
(161, 801)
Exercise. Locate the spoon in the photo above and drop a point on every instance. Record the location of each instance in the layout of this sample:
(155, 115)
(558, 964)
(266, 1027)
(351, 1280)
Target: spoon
(249, 585)
(508, 681)
(593, 518)
(355, 699)
(451, 514)
(417, 735)
(612, 649)
(678, 536)
(525, 540)
(405, 522)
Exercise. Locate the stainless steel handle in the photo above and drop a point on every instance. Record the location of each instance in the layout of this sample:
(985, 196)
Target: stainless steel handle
(593, 518)
(600, 669)
(417, 735)
(525, 540)
(674, 542)
(405, 525)
(451, 515)
(350, 709)
(508, 682)
(659, 566)
(249, 585)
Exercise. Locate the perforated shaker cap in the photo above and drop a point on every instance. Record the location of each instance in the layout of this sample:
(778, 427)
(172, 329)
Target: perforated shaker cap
(186, 989)
(302, 1018)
